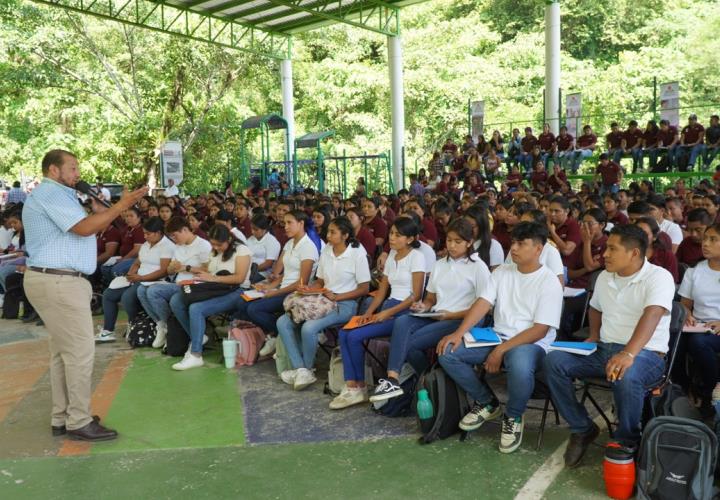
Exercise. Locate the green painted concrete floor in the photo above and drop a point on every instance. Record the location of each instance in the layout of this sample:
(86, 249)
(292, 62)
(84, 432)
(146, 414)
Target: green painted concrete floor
(182, 436)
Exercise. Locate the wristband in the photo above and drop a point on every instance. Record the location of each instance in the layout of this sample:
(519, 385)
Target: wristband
(632, 356)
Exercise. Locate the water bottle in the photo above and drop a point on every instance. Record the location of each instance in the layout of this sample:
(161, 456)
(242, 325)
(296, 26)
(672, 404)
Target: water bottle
(619, 472)
(424, 411)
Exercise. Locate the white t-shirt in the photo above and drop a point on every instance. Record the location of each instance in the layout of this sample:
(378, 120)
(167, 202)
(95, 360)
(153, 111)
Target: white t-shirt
(216, 264)
(497, 255)
(549, 257)
(343, 273)
(267, 247)
(399, 273)
(150, 255)
(429, 255)
(294, 255)
(238, 234)
(623, 300)
(195, 254)
(523, 300)
(458, 283)
(6, 236)
(702, 285)
(171, 191)
(672, 230)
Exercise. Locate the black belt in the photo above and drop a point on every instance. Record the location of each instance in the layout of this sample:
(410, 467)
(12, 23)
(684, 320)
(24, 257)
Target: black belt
(58, 272)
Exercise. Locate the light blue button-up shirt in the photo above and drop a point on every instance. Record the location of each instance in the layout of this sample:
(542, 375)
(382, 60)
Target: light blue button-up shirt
(50, 212)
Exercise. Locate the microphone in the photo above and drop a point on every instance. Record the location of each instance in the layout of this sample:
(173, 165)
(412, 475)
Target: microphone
(85, 188)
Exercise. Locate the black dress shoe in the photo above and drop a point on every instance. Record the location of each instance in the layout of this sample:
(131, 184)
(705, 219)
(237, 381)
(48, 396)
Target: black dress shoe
(92, 432)
(60, 430)
(579, 442)
(31, 318)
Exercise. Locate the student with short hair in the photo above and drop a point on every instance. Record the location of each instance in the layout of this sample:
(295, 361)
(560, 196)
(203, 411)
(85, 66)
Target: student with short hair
(549, 257)
(611, 205)
(264, 246)
(564, 230)
(690, 250)
(630, 319)
(657, 203)
(525, 322)
(658, 251)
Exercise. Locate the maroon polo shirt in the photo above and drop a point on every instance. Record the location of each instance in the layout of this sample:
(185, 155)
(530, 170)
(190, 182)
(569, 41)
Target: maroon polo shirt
(585, 141)
(441, 187)
(650, 137)
(429, 230)
(201, 233)
(245, 227)
(528, 143)
(110, 235)
(597, 248)
(667, 136)
(569, 231)
(278, 230)
(692, 133)
(377, 227)
(632, 138)
(555, 181)
(131, 237)
(501, 233)
(389, 216)
(563, 143)
(619, 219)
(513, 180)
(614, 139)
(537, 178)
(546, 141)
(665, 258)
(367, 240)
(610, 173)
(689, 252)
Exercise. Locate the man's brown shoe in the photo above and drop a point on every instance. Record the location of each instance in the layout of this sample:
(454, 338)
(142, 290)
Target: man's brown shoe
(578, 445)
(92, 432)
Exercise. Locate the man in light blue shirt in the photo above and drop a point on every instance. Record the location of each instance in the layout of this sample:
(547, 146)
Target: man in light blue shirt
(60, 239)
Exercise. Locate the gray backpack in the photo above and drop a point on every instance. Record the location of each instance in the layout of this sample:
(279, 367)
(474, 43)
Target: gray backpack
(677, 460)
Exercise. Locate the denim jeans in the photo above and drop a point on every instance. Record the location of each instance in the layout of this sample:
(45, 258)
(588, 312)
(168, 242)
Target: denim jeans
(119, 269)
(263, 312)
(698, 150)
(525, 159)
(703, 348)
(561, 368)
(611, 188)
(709, 155)
(192, 318)
(7, 268)
(411, 336)
(309, 331)
(110, 299)
(654, 153)
(521, 362)
(563, 158)
(155, 299)
(579, 157)
(351, 342)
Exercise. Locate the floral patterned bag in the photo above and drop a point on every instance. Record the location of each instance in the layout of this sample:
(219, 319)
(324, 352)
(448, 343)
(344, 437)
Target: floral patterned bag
(307, 307)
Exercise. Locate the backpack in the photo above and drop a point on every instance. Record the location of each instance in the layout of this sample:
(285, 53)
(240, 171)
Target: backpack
(677, 460)
(249, 338)
(669, 401)
(450, 404)
(142, 331)
(380, 350)
(336, 374)
(177, 338)
(282, 360)
(401, 406)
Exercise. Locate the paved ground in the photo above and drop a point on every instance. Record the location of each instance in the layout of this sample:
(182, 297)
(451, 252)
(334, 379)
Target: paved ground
(220, 433)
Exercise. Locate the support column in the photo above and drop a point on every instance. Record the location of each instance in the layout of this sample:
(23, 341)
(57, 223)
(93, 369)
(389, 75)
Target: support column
(397, 107)
(552, 64)
(288, 106)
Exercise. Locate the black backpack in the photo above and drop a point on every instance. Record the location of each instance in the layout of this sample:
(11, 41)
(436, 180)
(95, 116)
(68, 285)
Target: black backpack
(450, 404)
(177, 338)
(677, 460)
(142, 331)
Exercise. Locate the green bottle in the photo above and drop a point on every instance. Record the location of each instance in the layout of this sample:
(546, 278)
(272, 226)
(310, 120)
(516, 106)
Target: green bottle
(424, 411)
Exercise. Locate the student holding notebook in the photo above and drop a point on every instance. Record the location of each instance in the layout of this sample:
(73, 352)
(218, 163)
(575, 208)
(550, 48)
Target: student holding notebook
(528, 301)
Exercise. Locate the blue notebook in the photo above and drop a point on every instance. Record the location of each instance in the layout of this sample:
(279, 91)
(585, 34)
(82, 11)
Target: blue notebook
(582, 348)
(481, 337)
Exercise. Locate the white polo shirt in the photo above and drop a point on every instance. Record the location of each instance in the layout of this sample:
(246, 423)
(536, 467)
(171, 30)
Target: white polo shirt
(293, 255)
(523, 300)
(195, 254)
(549, 257)
(622, 301)
(702, 285)
(497, 255)
(267, 247)
(673, 230)
(238, 234)
(399, 273)
(429, 255)
(150, 255)
(217, 264)
(343, 273)
(458, 283)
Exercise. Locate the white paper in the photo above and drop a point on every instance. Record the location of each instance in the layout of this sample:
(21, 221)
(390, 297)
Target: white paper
(573, 292)
(254, 294)
(581, 352)
(471, 342)
(427, 314)
(112, 260)
(119, 282)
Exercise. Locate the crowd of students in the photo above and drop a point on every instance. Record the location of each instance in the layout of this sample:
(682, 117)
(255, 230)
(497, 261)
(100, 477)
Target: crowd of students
(470, 254)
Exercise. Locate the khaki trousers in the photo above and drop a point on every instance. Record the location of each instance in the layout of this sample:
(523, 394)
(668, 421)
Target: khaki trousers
(63, 303)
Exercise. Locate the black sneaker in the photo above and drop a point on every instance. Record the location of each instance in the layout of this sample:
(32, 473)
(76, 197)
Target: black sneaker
(579, 442)
(388, 388)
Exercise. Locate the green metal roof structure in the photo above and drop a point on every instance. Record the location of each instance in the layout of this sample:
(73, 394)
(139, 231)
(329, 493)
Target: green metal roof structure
(313, 139)
(273, 122)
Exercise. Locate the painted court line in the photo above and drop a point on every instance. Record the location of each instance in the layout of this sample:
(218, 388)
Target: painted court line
(23, 365)
(102, 399)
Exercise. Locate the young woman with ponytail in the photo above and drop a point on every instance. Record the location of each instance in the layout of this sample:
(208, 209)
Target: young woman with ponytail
(344, 272)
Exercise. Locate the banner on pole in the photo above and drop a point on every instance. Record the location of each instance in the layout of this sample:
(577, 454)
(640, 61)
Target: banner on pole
(477, 115)
(573, 114)
(171, 156)
(670, 102)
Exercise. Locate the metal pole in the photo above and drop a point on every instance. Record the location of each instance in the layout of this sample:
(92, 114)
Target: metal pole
(654, 103)
(395, 59)
(288, 106)
(552, 63)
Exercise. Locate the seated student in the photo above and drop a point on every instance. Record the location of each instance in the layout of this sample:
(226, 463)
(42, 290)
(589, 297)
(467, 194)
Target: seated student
(264, 246)
(489, 249)
(630, 319)
(658, 251)
(321, 220)
(565, 149)
(564, 230)
(657, 204)
(558, 180)
(586, 144)
(278, 229)
(344, 271)
(403, 277)
(373, 220)
(613, 142)
(130, 243)
(426, 250)
(711, 203)
(525, 322)
(700, 295)
(611, 205)
(639, 209)
(539, 175)
(108, 242)
(230, 255)
(457, 281)
(361, 233)
(690, 250)
(442, 213)
(151, 265)
(298, 261)
(428, 229)
(190, 255)
(500, 230)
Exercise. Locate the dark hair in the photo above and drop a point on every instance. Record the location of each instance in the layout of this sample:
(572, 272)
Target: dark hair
(375, 201)
(699, 215)
(639, 207)
(302, 216)
(537, 215)
(613, 196)
(54, 157)
(261, 221)
(154, 225)
(594, 199)
(324, 209)
(345, 227)
(530, 231)
(562, 201)
(656, 200)
(596, 213)
(407, 227)
(464, 230)
(224, 216)
(136, 210)
(479, 215)
(176, 224)
(631, 236)
(221, 233)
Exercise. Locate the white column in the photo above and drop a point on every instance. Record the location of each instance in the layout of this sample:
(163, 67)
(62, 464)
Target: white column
(288, 106)
(397, 107)
(552, 63)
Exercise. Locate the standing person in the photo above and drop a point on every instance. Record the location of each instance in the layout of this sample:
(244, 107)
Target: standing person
(609, 173)
(61, 244)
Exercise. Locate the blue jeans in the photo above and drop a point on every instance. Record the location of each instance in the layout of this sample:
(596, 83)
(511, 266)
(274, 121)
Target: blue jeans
(309, 331)
(611, 188)
(709, 155)
(563, 158)
(110, 299)
(654, 153)
(155, 299)
(192, 318)
(411, 336)
(119, 269)
(703, 348)
(698, 150)
(525, 159)
(579, 156)
(263, 312)
(8, 268)
(351, 342)
(562, 368)
(521, 362)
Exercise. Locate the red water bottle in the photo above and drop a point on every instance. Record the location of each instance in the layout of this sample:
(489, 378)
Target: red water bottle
(619, 471)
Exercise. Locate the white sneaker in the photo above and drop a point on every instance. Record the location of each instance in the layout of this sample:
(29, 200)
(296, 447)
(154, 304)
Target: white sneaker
(105, 336)
(160, 335)
(349, 397)
(188, 362)
(511, 433)
(716, 394)
(269, 347)
(303, 379)
(2, 300)
(205, 339)
(288, 376)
